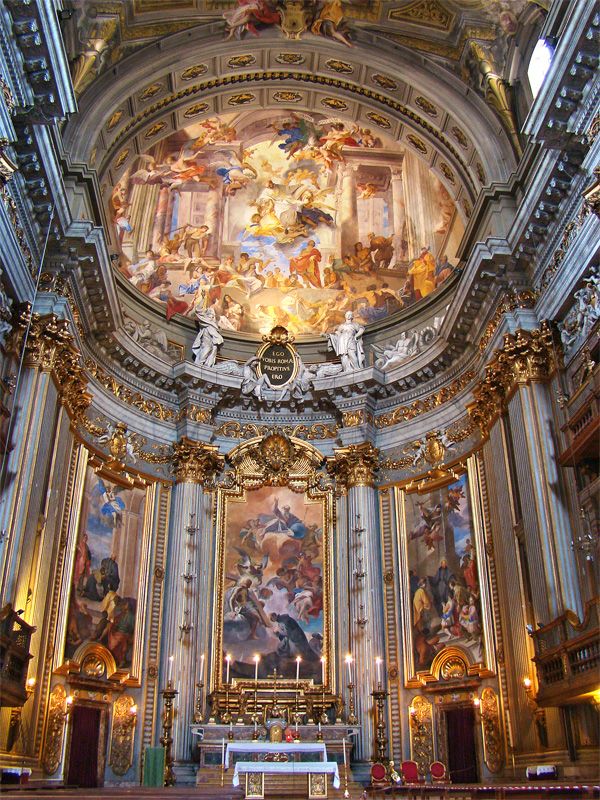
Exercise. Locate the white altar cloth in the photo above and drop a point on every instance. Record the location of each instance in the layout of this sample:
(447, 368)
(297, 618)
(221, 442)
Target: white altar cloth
(288, 768)
(274, 747)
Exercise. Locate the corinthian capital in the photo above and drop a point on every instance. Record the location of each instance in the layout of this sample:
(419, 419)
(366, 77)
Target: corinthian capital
(355, 465)
(195, 462)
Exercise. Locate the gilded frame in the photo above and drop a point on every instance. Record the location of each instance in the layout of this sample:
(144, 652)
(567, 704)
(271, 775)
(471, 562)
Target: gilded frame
(301, 475)
(417, 678)
(85, 460)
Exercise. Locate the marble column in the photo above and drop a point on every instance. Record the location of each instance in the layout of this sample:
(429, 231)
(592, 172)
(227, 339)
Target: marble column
(186, 622)
(398, 211)
(347, 210)
(354, 469)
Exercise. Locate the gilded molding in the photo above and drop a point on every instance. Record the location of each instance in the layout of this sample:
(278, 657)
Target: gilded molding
(151, 407)
(421, 733)
(55, 730)
(195, 462)
(525, 356)
(355, 465)
(277, 75)
(318, 430)
(404, 413)
(569, 235)
(277, 460)
(123, 733)
(511, 302)
(13, 215)
(351, 419)
(490, 728)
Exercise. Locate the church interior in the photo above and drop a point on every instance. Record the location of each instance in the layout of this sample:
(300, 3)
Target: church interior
(299, 398)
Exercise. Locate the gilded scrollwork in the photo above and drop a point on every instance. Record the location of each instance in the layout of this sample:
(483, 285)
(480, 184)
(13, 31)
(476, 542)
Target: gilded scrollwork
(524, 356)
(277, 459)
(55, 729)
(128, 396)
(421, 733)
(195, 462)
(355, 465)
(490, 727)
(123, 731)
(316, 431)
(510, 302)
(446, 393)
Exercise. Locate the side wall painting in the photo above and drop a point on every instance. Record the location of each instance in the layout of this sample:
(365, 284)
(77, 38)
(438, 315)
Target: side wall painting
(272, 597)
(446, 601)
(106, 569)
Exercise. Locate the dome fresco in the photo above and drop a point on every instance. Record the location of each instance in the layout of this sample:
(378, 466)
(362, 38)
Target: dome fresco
(283, 218)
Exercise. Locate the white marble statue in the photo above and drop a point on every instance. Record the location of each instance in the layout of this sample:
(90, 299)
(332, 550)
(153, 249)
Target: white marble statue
(208, 339)
(346, 342)
(252, 383)
(584, 314)
(300, 385)
(405, 347)
(153, 340)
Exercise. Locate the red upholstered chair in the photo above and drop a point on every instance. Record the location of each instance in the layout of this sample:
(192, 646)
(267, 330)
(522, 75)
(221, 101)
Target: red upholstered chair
(379, 778)
(410, 772)
(438, 772)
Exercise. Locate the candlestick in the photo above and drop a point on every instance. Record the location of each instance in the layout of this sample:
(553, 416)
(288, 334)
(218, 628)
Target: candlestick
(166, 739)
(349, 665)
(198, 713)
(170, 675)
(351, 719)
(228, 660)
(378, 666)
(346, 792)
(223, 762)
(380, 696)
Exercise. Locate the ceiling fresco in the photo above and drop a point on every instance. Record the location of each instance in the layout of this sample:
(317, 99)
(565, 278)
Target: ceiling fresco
(283, 218)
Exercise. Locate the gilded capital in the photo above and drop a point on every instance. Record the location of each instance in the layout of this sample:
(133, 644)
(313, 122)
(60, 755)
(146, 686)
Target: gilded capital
(195, 462)
(524, 356)
(355, 465)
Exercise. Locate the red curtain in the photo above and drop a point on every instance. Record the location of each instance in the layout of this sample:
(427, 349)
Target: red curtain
(85, 736)
(462, 753)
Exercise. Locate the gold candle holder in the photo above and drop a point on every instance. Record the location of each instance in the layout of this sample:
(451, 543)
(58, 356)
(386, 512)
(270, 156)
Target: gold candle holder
(351, 719)
(198, 711)
(380, 696)
(166, 739)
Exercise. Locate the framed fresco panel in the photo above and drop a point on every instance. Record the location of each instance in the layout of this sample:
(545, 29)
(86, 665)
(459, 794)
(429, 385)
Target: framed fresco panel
(273, 592)
(446, 602)
(109, 557)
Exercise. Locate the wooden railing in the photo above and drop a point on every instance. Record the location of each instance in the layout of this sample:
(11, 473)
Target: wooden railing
(567, 656)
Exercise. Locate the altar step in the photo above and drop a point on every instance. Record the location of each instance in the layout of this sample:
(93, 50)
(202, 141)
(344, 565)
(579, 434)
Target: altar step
(276, 786)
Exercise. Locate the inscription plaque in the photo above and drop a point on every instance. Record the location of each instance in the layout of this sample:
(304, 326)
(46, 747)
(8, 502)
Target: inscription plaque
(278, 362)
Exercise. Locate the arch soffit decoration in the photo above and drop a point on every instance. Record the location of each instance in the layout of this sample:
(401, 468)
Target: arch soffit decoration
(88, 138)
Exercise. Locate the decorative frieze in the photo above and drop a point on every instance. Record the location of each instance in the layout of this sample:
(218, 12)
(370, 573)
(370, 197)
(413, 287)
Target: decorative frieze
(123, 730)
(490, 728)
(55, 729)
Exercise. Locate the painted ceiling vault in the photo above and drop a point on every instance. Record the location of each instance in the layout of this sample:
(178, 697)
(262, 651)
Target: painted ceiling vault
(285, 163)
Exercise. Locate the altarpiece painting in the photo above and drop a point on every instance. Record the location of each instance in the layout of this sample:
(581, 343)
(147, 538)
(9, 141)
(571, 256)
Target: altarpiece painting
(446, 602)
(274, 579)
(110, 531)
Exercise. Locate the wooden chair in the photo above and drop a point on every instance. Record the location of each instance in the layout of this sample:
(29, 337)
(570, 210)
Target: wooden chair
(438, 772)
(379, 776)
(410, 772)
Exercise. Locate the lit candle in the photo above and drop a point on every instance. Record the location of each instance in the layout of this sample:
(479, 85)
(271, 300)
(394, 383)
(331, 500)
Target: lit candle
(171, 660)
(201, 668)
(378, 665)
(298, 660)
(344, 747)
(256, 660)
(349, 665)
(323, 670)
(228, 660)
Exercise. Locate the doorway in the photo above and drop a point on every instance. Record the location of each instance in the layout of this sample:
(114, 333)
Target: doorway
(83, 753)
(462, 748)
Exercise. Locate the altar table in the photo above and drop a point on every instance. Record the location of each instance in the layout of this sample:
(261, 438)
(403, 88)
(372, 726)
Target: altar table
(288, 768)
(274, 747)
